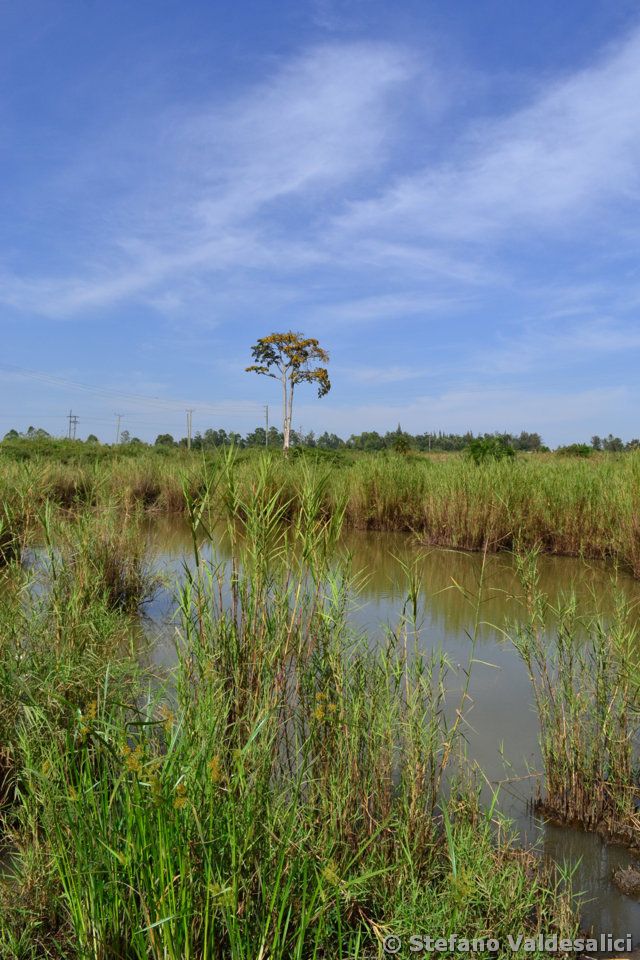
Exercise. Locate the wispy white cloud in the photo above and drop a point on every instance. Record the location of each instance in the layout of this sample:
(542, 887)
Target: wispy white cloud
(557, 414)
(216, 201)
(574, 149)
(322, 119)
(324, 15)
(379, 375)
(383, 307)
(534, 347)
(250, 184)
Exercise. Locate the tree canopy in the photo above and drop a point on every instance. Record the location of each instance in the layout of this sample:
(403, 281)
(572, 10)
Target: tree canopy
(290, 358)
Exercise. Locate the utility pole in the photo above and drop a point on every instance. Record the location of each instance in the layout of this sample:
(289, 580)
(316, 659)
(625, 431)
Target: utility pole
(266, 418)
(189, 412)
(119, 417)
(73, 423)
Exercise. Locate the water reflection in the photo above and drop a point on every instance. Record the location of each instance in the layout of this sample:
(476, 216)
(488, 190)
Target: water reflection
(376, 556)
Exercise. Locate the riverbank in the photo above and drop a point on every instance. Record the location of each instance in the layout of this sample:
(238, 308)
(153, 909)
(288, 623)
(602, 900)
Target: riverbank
(561, 505)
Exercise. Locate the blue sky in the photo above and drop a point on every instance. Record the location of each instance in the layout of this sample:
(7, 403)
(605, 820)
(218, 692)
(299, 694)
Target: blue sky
(446, 194)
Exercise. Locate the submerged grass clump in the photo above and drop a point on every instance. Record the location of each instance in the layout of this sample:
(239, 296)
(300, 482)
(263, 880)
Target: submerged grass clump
(100, 556)
(292, 792)
(11, 536)
(584, 676)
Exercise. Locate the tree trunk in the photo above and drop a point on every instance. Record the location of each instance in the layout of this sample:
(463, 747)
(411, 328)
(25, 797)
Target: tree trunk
(285, 416)
(290, 413)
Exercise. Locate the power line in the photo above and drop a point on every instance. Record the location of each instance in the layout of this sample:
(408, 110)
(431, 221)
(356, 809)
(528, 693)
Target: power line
(119, 417)
(160, 402)
(139, 419)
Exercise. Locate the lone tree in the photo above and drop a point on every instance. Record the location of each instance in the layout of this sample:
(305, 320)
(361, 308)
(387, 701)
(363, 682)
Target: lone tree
(290, 358)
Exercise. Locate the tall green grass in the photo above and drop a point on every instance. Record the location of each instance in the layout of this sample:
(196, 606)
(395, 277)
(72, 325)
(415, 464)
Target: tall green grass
(584, 676)
(53, 662)
(562, 505)
(101, 557)
(11, 536)
(291, 793)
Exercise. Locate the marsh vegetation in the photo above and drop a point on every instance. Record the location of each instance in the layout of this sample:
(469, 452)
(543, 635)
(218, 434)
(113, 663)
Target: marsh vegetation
(561, 505)
(288, 788)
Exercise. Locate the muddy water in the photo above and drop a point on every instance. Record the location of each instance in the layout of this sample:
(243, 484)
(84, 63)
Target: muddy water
(502, 736)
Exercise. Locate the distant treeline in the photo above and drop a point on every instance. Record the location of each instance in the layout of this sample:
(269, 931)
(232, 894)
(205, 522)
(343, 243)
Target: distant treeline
(397, 439)
(371, 440)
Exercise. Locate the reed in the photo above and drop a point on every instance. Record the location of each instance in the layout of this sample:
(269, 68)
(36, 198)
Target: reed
(11, 536)
(583, 671)
(563, 505)
(98, 557)
(290, 793)
(54, 650)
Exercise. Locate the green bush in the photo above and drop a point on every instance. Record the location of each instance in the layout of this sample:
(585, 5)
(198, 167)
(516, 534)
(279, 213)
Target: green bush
(490, 448)
(575, 450)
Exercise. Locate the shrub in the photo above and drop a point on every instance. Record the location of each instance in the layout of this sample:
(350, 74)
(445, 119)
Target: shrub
(490, 448)
(575, 450)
